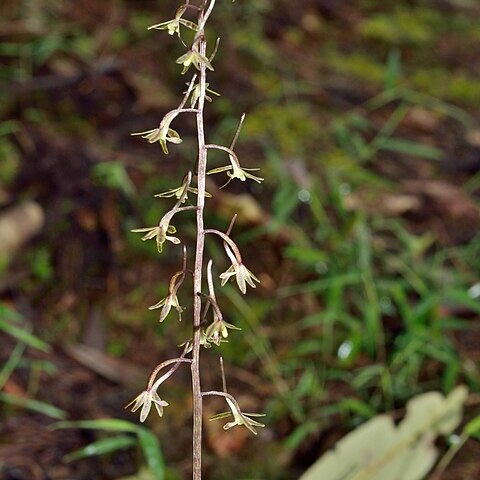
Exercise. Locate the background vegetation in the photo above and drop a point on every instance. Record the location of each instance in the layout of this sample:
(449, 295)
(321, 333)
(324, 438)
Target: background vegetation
(365, 234)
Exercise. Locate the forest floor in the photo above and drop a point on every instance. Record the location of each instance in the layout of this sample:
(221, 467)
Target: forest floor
(364, 118)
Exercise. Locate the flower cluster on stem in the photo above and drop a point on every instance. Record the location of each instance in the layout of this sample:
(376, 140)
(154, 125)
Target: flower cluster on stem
(204, 332)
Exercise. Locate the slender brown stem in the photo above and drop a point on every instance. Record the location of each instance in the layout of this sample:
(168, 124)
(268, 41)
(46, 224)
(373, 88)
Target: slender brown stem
(197, 274)
(157, 369)
(176, 362)
(237, 133)
(169, 215)
(224, 395)
(228, 241)
(232, 223)
(214, 305)
(232, 155)
(191, 85)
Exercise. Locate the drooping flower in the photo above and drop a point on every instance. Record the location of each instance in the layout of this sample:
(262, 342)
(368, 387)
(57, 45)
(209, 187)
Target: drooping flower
(167, 303)
(242, 274)
(195, 58)
(218, 329)
(145, 400)
(173, 26)
(237, 172)
(160, 233)
(163, 133)
(163, 229)
(238, 270)
(239, 418)
(241, 173)
(234, 170)
(178, 192)
(171, 300)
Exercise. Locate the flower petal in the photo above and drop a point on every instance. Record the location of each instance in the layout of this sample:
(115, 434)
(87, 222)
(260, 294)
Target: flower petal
(161, 303)
(174, 240)
(147, 405)
(166, 309)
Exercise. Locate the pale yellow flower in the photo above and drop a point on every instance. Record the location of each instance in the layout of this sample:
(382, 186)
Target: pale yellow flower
(145, 400)
(167, 304)
(238, 270)
(195, 58)
(239, 418)
(163, 133)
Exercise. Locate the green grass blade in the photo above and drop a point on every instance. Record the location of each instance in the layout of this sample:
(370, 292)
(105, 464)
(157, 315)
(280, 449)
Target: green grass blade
(473, 426)
(107, 424)
(317, 286)
(462, 298)
(12, 363)
(34, 406)
(102, 447)
(152, 452)
(9, 314)
(24, 336)
(408, 147)
(394, 69)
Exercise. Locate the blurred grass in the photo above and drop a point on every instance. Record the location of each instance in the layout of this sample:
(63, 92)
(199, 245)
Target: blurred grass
(360, 310)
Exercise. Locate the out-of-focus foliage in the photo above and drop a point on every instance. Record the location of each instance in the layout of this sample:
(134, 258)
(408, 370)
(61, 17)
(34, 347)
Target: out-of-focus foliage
(363, 116)
(378, 449)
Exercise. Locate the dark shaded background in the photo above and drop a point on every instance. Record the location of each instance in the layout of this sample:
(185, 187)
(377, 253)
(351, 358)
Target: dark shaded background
(363, 117)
